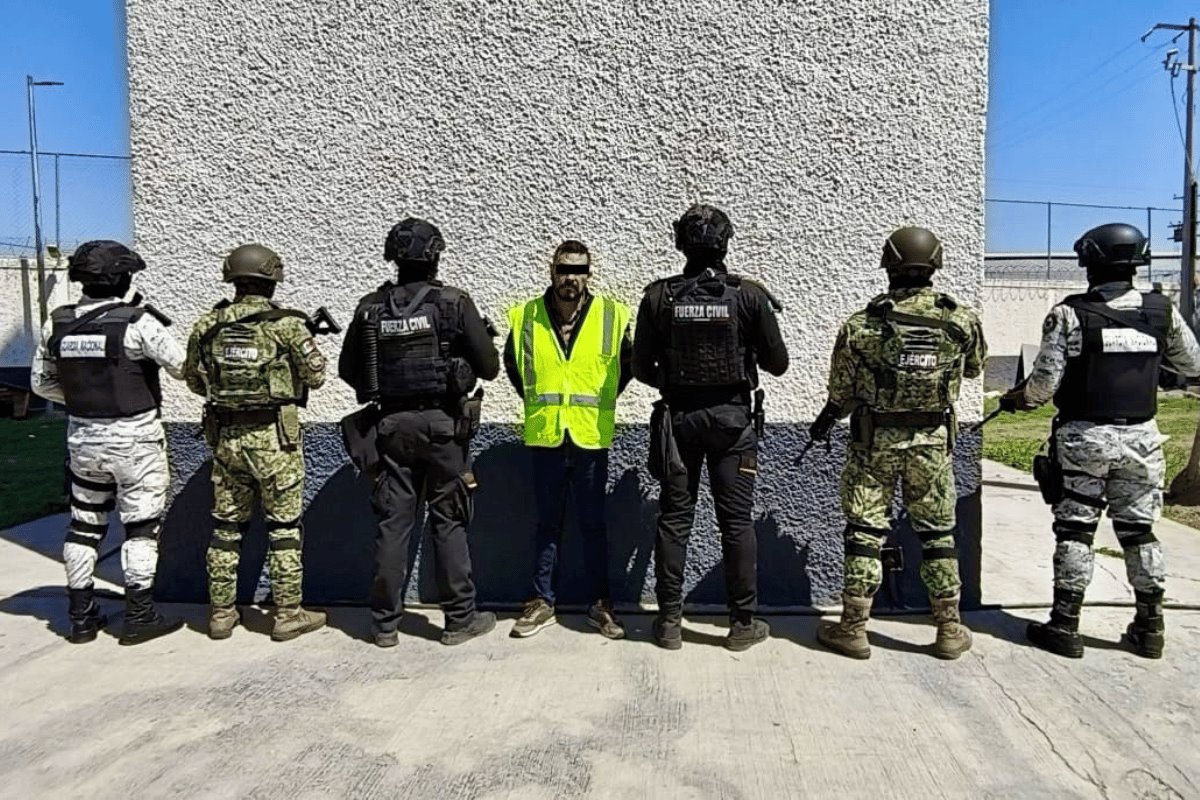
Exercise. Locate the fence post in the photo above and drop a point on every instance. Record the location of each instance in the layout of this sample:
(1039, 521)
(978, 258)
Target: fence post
(1049, 208)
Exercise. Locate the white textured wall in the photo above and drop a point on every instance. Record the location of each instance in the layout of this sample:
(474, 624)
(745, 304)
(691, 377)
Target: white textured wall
(312, 127)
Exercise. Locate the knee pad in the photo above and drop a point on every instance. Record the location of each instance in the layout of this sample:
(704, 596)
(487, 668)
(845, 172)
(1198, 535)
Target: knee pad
(864, 549)
(931, 550)
(144, 529)
(1066, 530)
(232, 540)
(1134, 534)
(284, 543)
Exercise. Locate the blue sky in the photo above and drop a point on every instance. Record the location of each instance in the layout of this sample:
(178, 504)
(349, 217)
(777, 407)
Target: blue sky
(1080, 111)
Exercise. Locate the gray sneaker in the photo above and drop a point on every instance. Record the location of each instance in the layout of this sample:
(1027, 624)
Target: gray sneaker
(602, 618)
(537, 614)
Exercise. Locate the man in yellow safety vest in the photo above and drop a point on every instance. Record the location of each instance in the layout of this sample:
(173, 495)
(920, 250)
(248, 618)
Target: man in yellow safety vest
(568, 355)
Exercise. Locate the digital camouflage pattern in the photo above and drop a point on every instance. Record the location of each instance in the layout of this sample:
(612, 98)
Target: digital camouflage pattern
(1120, 464)
(252, 365)
(263, 459)
(885, 365)
(926, 475)
(1123, 465)
(246, 459)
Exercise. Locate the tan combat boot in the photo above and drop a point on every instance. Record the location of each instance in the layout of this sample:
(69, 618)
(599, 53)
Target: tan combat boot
(293, 621)
(848, 637)
(221, 621)
(953, 638)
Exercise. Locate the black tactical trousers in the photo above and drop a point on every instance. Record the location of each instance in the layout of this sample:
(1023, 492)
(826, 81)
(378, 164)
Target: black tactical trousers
(722, 436)
(421, 462)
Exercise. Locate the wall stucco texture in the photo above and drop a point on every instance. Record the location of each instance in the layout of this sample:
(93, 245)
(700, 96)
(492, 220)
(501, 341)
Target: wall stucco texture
(313, 127)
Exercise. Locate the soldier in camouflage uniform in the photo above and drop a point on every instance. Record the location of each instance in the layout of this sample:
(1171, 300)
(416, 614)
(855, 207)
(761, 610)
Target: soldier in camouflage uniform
(254, 362)
(897, 367)
(1099, 361)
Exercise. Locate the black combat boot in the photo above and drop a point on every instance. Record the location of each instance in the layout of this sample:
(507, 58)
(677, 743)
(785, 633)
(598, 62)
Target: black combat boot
(483, 622)
(1061, 634)
(142, 620)
(1145, 633)
(86, 619)
(745, 631)
(668, 631)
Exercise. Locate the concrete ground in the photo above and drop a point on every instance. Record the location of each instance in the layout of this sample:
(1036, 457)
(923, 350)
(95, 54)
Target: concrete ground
(569, 714)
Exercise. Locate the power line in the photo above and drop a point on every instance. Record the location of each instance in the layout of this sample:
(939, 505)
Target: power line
(1187, 155)
(1091, 73)
(1066, 113)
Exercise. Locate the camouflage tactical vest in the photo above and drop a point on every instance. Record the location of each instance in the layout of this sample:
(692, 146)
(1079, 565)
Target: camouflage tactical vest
(245, 366)
(917, 362)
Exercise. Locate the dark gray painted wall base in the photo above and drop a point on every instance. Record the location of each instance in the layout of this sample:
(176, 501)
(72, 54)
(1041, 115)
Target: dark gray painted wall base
(798, 517)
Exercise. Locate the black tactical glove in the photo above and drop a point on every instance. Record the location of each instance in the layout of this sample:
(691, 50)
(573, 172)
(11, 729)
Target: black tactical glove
(1014, 400)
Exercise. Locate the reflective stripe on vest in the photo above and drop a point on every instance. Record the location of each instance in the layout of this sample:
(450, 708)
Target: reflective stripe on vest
(579, 393)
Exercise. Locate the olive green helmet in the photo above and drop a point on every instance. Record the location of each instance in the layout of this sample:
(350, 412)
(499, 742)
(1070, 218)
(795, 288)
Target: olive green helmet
(252, 261)
(912, 247)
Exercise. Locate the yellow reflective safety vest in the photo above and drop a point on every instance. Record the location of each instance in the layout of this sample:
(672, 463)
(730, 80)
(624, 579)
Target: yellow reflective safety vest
(575, 391)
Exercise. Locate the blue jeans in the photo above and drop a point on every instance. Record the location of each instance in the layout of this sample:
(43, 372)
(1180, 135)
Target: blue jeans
(556, 471)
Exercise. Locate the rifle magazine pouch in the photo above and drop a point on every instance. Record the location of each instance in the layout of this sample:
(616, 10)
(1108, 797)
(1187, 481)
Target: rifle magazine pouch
(1048, 474)
(288, 424)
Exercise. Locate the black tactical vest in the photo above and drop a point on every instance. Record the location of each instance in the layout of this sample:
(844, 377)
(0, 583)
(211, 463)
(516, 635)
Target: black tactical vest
(412, 344)
(98, 379)
(1114, 379)
(704, 339)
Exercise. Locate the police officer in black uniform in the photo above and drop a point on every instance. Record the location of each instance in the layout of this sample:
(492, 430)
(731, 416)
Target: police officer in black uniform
(414, 351)
(700, 339)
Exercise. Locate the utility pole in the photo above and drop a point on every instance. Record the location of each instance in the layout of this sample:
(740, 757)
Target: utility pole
(30, 84)
(1185, 488)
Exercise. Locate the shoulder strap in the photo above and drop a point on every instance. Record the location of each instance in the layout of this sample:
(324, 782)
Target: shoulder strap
(1121, 317)
(417, 300)
(889, 312)
(257, 316)
(79, 322)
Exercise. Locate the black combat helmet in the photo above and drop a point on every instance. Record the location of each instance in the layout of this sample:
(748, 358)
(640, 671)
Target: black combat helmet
(1113, 245)
(912, 247)
(414, 240)
(703, 227)
(252, 261)
(102, 261)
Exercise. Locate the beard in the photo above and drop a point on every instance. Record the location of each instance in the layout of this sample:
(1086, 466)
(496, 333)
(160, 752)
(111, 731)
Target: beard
(567, 292)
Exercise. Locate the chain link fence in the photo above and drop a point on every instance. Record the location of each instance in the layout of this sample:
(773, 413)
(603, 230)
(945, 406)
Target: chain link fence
(83, 196)
(1031, 241)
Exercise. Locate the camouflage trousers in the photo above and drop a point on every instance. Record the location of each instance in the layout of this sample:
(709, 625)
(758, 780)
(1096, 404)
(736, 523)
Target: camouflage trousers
(248, 462)
(926, 475)
(1121, 467)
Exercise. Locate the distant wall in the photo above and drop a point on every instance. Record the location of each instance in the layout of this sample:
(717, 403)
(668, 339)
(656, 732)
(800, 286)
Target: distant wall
(19, 319)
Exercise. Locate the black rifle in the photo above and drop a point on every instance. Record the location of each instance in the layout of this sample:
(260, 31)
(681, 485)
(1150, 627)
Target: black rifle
(322, 323)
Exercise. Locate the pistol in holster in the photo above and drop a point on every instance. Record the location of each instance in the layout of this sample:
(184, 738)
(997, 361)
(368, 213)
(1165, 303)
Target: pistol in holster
(359, 434)
(1047, 470)
(665, 461)
(470, 411)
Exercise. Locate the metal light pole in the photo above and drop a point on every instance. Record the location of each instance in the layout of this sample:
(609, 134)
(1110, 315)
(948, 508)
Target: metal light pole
(30, 83)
